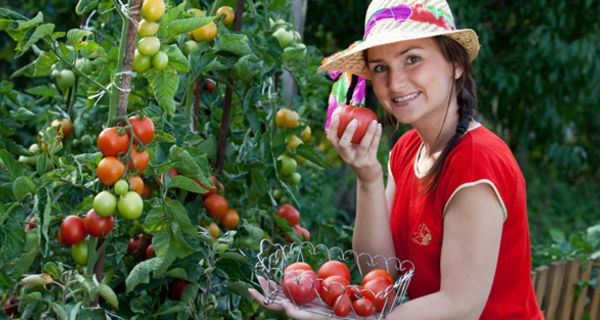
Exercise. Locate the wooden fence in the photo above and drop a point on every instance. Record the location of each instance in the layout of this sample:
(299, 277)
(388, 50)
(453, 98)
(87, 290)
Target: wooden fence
(563, 292)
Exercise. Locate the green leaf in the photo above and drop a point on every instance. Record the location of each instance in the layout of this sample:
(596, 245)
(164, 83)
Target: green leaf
(186, 184)
(165, 85)
(40, 67)
(180, 26)
(240, 288)
(161, 136)
(177, 59)
(88, 284)
(11, 15)
(233, 256)
(18, 29)
(42, 90)
(191, 162)
(169, 17)
(8, 163)
(22, 187)
(84, 6)
(234, 43)
(310, 154)
(178, 273)
(23, 114)
(155, 220)
(181, 217)
(40, 32)
(75, 36)
(108, 295)
(141, 273)
(75, 311)
(59, 310)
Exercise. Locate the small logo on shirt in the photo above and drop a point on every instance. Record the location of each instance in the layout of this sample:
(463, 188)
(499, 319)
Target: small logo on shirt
(422, 236)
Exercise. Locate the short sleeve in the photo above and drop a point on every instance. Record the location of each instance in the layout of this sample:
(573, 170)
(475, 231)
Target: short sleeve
(471, 164)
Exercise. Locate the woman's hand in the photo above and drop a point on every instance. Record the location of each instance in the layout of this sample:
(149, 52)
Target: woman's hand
(362, 157)
(282, 306)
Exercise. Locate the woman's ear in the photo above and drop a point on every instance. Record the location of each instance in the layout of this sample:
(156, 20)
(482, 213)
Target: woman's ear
(458, 71)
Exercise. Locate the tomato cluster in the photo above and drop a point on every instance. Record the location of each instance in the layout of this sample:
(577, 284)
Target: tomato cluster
(148, 52)
(209, 31)
(289, 39)
(141, 246)
(217, 207)
(292, 216)
(332, 284)
(289, 119)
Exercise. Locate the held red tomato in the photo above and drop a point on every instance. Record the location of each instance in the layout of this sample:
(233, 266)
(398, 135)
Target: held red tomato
(72, 230)
(111, 141)
(139, 160)
(143, 128)
(364, 116)
(334, 268)
(342, 306)
(176, 289)
(377, 273)
(110, 170)
(298, 266)
(216, 205)
(363, 307)
(333, 287)
(98, 226)
(289, 213)
(300, 286)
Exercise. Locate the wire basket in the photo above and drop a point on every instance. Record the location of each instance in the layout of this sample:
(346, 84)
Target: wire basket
(274, 258)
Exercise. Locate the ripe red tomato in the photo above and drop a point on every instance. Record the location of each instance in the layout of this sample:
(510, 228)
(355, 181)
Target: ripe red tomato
(302, 232)
(149, 252)
(377, 273)
(289, 213)
(11, 306)
(216, 205)
(334, 268)
(231, 219)
(111, 143)
(300, 286)
(342, 306)
(110, 170)
(98, 226)
(72, 230)
(333, 287)
(138, 245)
(136, 184)
(298, 266)
(139, 160)
(143, 128)
(31, 224)
(364, 116)
(176, 289)
(209, 85)
(363, 307)
(375, 290)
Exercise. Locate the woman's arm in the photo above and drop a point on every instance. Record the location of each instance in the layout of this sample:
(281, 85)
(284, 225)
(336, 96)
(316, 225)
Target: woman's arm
(472, 231)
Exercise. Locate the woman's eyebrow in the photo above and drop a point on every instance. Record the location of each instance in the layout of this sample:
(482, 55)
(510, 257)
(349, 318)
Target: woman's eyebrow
(396, 56)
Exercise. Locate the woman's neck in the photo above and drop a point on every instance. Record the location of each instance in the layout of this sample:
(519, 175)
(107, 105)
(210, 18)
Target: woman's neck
(437, 129)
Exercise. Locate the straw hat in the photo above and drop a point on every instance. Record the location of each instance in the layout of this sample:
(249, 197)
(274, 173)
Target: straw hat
(389, 21)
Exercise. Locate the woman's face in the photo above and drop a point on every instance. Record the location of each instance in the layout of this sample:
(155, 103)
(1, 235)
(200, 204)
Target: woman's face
(412, 80)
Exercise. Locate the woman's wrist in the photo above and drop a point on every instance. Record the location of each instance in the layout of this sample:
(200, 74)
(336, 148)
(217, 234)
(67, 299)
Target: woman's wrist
(369, 176)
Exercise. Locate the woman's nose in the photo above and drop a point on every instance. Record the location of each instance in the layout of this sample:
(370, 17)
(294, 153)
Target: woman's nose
(397, 79)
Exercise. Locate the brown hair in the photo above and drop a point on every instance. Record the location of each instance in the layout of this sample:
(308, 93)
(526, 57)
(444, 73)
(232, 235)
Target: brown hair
(466, 98)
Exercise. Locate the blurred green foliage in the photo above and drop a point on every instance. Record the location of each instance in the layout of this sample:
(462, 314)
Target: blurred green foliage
(538, 74)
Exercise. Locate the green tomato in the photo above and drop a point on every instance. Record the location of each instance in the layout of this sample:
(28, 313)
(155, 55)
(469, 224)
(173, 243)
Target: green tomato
(147, 28)
(160, 60)
(55, 74)
(79, 252)
(105, 204)
(189, 47)
(148, 46)
(121, 187)
(84, 65)
(284, 37)
(130, 205)
(288, 165)
(295, 178)
(141, 63)
(65, 79)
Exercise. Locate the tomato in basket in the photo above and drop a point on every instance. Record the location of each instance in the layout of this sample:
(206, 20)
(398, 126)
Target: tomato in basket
(334, 268)
(332, 288)
(300, 286)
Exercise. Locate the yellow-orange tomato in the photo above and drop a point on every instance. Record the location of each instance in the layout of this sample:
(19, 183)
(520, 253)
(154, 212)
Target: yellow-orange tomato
(286, 118)
(152, 10)
(214, 230)
(231, 219)
(109, 170)
(136, 184)
(229, 14)
(197, 12)
(306, 134)
(206, 33)
(64, 125)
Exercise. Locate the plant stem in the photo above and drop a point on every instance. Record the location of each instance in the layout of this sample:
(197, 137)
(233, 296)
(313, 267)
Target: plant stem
(222, 144)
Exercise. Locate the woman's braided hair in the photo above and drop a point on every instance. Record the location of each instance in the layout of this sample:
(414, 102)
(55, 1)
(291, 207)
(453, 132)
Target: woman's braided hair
(466, 98)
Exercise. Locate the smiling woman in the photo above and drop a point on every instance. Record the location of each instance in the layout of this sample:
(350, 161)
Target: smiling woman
(454, 203)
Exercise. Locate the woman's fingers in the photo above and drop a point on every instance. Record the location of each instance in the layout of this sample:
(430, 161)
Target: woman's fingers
(261, 299)
(346, 140)
(375, 143)
(333, 129)
(367, 139)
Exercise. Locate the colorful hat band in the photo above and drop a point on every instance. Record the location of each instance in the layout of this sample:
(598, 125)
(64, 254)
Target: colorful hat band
(418, 12)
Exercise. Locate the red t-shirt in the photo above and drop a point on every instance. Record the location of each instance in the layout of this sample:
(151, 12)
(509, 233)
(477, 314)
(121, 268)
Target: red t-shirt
(417, 219)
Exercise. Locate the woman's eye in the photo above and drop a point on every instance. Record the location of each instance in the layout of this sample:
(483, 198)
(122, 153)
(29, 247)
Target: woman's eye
(413, 59)
(379, 68)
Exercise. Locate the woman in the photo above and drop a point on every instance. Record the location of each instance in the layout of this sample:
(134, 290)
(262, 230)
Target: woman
(455, 202)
